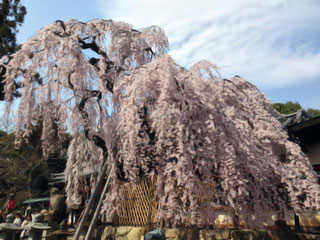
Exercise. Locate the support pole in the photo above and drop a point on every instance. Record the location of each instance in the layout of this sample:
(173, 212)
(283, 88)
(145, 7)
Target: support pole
(97, 210)
(102, 175)
(296, 223)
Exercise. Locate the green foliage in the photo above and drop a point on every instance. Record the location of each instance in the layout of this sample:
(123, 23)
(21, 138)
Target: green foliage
(11, 16)
(287, 108)
(21, 168)
(313, 112)
(292, 107)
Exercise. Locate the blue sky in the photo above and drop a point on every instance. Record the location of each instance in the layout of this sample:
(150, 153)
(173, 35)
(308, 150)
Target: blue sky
(274, 44)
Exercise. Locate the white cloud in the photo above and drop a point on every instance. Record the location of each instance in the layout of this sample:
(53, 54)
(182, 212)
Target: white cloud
(272, 43)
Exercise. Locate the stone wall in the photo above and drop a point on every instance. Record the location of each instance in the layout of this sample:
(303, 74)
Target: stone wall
(135, 233)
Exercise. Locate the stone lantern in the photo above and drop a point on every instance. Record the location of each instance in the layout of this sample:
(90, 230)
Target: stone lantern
(37, 227)
(9, 229)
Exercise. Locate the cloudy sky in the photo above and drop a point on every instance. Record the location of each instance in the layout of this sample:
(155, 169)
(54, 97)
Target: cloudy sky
(275, 44)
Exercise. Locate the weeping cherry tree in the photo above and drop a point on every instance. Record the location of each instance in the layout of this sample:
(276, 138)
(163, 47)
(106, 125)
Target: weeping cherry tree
(211, 142)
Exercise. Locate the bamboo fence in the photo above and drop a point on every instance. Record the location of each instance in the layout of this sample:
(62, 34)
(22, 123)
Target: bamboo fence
(139, 205)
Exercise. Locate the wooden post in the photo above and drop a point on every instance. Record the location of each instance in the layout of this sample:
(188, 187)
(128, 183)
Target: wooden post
(150, 195)
(97, 210)
(296, 223)
(92, 200)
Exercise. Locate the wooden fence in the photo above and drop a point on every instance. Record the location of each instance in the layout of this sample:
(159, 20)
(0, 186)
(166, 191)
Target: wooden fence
(139, 204)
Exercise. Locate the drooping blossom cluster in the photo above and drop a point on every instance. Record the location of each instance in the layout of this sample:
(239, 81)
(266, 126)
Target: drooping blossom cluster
(212, 142)
(81, 163)
(75, 61)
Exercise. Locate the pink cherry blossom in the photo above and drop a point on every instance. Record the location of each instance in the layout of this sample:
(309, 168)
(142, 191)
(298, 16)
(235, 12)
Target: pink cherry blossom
(211, 142)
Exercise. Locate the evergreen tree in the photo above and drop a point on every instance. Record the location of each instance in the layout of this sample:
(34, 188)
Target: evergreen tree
(21, 169)
(11, 16)
(287, 108)
(292, 107)
(313, 112)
